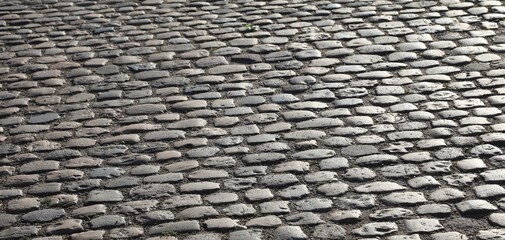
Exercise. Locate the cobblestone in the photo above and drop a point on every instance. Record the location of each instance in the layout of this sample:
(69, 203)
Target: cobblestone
(175, 119)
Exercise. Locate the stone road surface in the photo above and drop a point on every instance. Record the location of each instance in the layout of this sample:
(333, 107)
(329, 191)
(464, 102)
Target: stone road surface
(246, 120)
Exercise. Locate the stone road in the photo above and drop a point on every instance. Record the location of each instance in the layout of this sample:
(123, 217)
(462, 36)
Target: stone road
(246, 120)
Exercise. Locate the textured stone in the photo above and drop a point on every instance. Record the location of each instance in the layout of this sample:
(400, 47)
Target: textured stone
(44, 215)
(252, 119)
(177, 227)
(288, 232)
(422, 225)
(376, 229)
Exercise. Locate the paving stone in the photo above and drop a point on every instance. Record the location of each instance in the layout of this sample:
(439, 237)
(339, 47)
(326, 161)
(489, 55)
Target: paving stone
(359, 150)
(294, 192)
(266, 221)
(199, 187)
(497, 219)
(155, 217)
(379, 187)
(405, 198)
(66, 227)
(488, 191)
(177, 227)
(136, 207)
(314, 154)
(19, 232)
(253, 234)
(99, 196)
(221, 224)
(88, 211)
(7, 220)
(258, 194)
(156, 113)
(358, 201)
(423, 181)
(376, 229)
(422, 225)
(493, 175)
(391, 214)
(490, 234)
(289, 232)
(363, 59)
(449, 236)
(475, 206)
(304, 218)
(154, 190)
(97, 234)
(313, 204)
(345, 216)
(44, 215)
(197, 212)
(128, 232)
(434, 209)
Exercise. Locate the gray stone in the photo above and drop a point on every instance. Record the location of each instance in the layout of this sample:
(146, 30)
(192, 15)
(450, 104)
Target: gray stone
(405, 198)
(107, 221)
(475, 206)
(422, 225)
(177, 227)
(253, 234)
(376, 229)
(359, 150)
(99, 196)
(288, 232)
(19, 232)
(44, 215)
(390, 214)
(491, 234)
(7, 220)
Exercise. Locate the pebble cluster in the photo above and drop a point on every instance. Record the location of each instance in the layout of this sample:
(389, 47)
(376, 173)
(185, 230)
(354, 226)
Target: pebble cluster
(249, 120)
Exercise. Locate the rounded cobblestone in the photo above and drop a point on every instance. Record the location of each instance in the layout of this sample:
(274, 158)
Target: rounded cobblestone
(176, 119)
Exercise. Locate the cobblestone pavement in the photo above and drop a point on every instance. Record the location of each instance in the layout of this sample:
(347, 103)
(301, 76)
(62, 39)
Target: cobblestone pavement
(245, 120)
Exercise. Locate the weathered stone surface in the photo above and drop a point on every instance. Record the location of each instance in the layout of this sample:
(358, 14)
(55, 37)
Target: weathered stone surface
(19, 232)
(177, 227)
(98, 196)
(66, 227)
(288, 232)
(422, 225)
(376, 229)
(475, 206)
(44, 215)
(252, 119)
